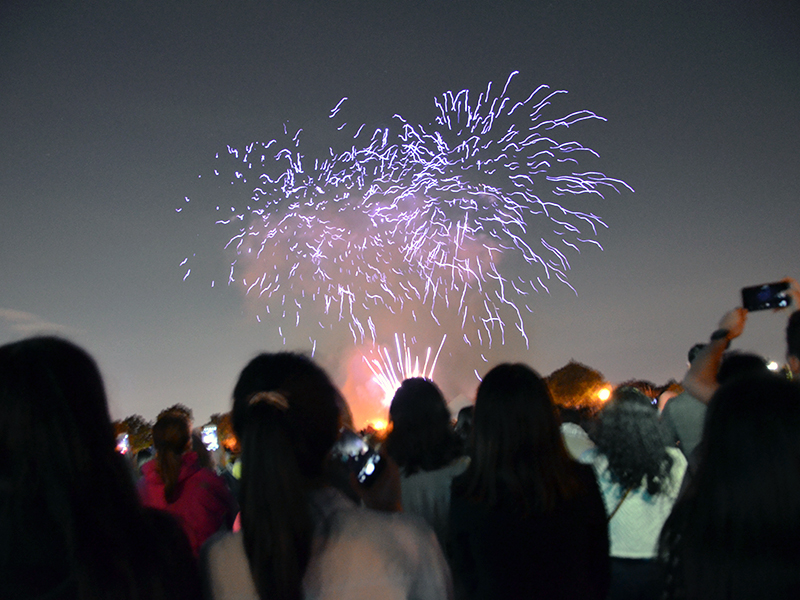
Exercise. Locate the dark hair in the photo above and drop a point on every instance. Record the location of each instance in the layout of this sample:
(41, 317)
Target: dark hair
(735, 533)
(519, 456)
(69, 505)
(737, 364)
(422, 437)
(647, 388)
(628, 434)
(793, 335)
(171, 439)
(463, 427)
(286, 415)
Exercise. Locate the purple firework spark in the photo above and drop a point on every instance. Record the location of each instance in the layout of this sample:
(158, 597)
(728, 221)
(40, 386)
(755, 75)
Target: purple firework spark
(456, 223)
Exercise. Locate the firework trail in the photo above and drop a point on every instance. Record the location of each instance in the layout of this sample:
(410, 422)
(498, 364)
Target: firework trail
(389, 373)
(456, 224)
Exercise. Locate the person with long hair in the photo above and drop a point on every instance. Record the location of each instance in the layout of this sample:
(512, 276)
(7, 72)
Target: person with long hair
(639, 477)
(300, 537)
(427, 450)
(735, 531)
(526, 521)
(176, 482)
(71, 524)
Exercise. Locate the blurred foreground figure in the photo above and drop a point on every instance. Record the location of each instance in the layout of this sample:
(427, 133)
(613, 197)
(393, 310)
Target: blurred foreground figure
(71, 525)
(735, 532)
(175, 482)
(300, 537)
(526, 521)
(640, 479)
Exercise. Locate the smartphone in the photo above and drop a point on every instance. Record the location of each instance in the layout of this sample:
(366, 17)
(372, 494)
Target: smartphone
(123, 443)
(768, 295)
(360, 458)
(209, 437)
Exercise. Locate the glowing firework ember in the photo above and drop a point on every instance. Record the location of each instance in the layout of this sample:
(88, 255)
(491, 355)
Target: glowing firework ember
(456, 224)
(389, 373)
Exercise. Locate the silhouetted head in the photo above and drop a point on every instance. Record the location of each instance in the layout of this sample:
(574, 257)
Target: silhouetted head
(73, 516)
(290, 392)
(514, 411)
(171, 434)
(739, 364)
(54, 423)
(628, 433)
(518, 458)
(422, 436)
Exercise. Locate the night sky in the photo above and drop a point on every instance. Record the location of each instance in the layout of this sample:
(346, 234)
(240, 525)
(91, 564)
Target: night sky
(109, 112)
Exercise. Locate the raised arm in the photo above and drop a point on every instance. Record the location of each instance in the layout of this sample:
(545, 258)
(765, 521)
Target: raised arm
(701, 378)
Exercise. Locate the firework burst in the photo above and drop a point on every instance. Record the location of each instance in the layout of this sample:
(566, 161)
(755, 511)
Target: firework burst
(456, 224)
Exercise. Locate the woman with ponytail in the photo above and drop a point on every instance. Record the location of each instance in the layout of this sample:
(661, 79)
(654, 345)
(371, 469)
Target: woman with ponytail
(176, 483)
(301, 537)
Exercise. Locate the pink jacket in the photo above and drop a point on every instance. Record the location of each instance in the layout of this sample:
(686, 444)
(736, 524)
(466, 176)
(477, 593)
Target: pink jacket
(204, 504)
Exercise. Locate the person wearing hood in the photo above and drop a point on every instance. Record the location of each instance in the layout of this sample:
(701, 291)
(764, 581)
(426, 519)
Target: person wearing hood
(176, 483)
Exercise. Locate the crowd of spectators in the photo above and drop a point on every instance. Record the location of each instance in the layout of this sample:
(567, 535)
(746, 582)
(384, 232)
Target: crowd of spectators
(680, 493)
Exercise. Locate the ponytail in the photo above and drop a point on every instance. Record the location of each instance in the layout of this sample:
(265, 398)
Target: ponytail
(276, 524)
(285, 414)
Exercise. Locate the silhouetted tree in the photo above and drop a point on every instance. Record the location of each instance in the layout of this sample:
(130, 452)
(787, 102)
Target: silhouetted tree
(140, 432)
(576, 386)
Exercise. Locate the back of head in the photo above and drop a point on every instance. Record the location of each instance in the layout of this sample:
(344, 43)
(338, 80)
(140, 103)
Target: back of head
(734, 534)
(740, 364)
(73, 508)
(422, 436)
(286, 416)
(519, 455)
(171, 438)
(54, 411)
(628, 434)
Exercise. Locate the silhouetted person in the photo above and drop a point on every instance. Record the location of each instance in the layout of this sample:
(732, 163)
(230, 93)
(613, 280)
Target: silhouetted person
(426, 448)
(735, 532)
(70, 522)
(526, 521)
(175, 482)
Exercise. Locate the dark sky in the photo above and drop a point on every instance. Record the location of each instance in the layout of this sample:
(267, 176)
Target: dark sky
(109, 111)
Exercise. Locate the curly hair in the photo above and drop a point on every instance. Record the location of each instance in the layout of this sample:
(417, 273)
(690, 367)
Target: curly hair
(628, 435)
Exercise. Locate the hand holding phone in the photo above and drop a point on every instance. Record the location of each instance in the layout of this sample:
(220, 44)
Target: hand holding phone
(768, 295)
(361, 458)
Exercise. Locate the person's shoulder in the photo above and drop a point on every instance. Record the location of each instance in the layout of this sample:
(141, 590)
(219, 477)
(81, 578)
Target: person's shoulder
(150, 474)
(224, 543)
(225, 568)
(682, 400)
(207, 480)
(394, 528)
(170, 550)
